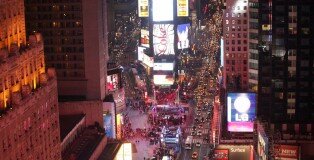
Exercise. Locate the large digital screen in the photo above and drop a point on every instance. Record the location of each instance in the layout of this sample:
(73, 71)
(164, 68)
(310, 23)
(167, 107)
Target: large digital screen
(108, 125)
(163, 79)
(163, 39)
(163, 66)
(241, 111)
(183, 36)
(143, 8)
(112, 82)
(182, 8)
(162, 10)
(262, 146)
(145, 59)
(144, 38)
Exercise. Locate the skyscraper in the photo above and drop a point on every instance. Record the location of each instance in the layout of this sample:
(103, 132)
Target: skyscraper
(281, 67)
(235, 34)
(29, 114)
(75, 34)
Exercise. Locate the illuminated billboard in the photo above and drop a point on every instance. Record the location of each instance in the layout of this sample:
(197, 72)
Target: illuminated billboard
(163, 39)
(144, 38)
(183, 36)
(262, 146)
(108, 125)
(124, 152)
(241, 111)
(286, 152)
(163, 79)
(163, 66)
(182, 8)
(221, 154)
(143, 8)
(112, 82)
(145, 59)
(162, 10)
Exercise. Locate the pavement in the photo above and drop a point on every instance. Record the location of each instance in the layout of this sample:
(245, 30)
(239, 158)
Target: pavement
(143, 148)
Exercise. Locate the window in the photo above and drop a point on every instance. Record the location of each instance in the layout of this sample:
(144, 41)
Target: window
(227, 21)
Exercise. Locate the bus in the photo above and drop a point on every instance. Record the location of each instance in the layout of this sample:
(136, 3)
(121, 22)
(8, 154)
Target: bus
(189, 142)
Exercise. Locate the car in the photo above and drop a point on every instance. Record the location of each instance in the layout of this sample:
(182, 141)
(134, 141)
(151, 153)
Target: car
(194, 155)
(204, 108)
(193, 133)
(200, 126)
(199, 133)
(198, 110)
(197, 120)
(198, 113)
(202, 120)
(197, 144)
(206, 139)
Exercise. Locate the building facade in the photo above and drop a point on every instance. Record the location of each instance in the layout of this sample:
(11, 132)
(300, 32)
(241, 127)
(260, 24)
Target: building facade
(12, 24)
(29, 114)
(75, 44)
(235, 35)
(281, 70)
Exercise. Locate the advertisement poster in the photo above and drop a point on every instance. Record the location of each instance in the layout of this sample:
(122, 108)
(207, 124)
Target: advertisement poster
(119, 126)
(143, 8)
(163, 79)
(162, 10)
(108, 125)
(145, 38)
(182, 8)
(241, 111)
(113, 82)
(286, 152)
(163, 66)
(183, 36)
(221, 154)
(163, 39)
(145, 59)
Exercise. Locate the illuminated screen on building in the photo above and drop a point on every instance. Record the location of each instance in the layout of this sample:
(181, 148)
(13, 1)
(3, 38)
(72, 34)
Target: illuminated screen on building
(144, 38)
(162, 10)
(108, 125)
(112, 82)
(145, 59)
(241, 111)
(163, 66)
(183, 36)
(143, 8)
(182, 8)
(163, 39)
(288, 152)
(163, 80)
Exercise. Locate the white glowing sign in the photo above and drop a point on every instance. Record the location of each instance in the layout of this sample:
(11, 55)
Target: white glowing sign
(163, 39)
(162, 10)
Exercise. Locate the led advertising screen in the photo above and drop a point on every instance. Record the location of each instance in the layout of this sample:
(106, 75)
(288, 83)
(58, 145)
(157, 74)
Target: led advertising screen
(183, 36)
(145, 59)
(182, 8)
(144, 38)
(163, 79)
(163, 66)
(112, 82)
(162, 10)
(286, 152)
(108, 125)
(143, 8)
(221, 154)
(241, 111)
(262, 146)
(163, 39)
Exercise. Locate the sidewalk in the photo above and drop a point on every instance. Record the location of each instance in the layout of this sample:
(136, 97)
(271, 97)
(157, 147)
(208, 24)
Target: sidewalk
(144, 149)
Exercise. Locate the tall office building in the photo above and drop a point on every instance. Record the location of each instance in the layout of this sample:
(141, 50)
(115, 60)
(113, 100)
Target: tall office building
(235, 34)
(75, 34)
(281, 68)
(29, 115)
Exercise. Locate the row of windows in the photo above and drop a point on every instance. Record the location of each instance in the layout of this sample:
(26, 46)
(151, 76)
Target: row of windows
(74, 74)
(237, 14)
(238, 48)
(235, 42)
(55, 16)
(49, 49)
(234, 28)
(233, 35)
(64, 41)
(238, 22)
(52, 6)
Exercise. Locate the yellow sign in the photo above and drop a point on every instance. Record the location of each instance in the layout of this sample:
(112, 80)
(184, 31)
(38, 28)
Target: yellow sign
(143, 8)
(182, 8)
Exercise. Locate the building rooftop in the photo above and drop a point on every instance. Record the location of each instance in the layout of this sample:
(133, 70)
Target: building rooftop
(110, 151)
(68, 122)
(84, 145)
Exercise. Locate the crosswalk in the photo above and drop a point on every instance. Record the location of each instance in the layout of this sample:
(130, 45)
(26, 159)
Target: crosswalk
(204, 131)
